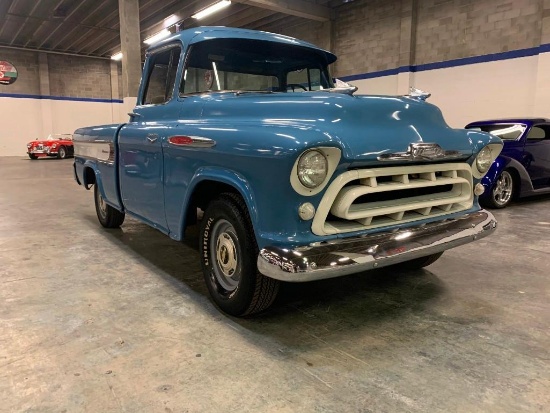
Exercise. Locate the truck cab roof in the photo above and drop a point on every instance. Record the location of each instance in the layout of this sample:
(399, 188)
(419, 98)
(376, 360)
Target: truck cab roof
(203, 33)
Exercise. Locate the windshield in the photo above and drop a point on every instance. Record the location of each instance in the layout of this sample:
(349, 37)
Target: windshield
(253, 65)
(58, 137)
(507, 132)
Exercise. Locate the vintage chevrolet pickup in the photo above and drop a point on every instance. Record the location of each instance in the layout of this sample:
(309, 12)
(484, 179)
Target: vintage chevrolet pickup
(290, 176)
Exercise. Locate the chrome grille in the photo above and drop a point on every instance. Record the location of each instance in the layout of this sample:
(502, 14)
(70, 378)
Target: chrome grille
(371, 198)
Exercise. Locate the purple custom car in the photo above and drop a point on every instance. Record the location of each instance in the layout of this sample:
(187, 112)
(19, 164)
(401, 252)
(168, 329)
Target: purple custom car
(523, 167)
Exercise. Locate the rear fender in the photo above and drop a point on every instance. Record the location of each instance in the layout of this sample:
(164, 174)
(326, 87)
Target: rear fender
(109, 198)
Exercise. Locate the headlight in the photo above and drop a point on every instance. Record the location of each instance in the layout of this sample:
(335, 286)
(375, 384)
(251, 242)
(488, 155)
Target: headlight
(54, 145)
(484, 159)
(312, 169)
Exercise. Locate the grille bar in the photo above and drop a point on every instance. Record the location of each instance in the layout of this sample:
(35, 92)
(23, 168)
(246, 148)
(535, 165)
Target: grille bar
(403, 189)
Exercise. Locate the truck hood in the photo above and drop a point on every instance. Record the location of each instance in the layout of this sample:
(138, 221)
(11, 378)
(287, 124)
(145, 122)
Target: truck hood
(364, 126)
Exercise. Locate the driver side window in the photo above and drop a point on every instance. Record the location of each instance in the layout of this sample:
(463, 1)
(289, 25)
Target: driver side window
(162, 76)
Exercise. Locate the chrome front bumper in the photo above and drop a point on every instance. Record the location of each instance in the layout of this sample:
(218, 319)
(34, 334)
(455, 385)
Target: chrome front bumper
(351, 255)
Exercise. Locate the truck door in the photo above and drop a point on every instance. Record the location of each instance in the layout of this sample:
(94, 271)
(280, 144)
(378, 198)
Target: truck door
(537, 154)
(141, 166)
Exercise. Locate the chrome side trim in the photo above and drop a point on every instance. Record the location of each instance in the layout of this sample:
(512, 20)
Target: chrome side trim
(99, 150)
(198, 142)
(351, 255)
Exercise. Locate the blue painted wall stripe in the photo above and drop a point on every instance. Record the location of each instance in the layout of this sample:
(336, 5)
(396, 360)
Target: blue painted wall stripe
(23, 96)
(493, 57)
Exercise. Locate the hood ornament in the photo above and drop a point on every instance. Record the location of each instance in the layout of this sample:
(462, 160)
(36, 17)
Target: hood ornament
(421, 152)
(342, 87)
(418, 94)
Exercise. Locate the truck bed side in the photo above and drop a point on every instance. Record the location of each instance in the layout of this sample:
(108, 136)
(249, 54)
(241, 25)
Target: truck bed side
(96, 161)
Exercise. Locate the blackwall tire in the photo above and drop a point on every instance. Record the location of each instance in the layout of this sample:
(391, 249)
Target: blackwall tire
(229, 255)
(417, 263)
(108, 216)
(62, 152)
(502, 193)
(33, 157)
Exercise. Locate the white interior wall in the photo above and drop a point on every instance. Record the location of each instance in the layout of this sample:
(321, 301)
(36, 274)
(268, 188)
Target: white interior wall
(464, 94)
(478, 91)
(385, 85)
(21, 122)
(26, 119)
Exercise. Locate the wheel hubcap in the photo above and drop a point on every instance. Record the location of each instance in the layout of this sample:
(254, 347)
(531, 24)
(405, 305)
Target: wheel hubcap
(226, 251)
(502, 192)
(102, 205)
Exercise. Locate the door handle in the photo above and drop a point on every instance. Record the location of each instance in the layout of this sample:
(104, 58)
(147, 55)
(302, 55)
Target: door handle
(152, 137)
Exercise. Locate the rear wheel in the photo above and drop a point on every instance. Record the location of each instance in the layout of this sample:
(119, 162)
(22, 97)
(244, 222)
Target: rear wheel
(229, 259)
(62, 152)
(502, 192)
(417, 263)
(108, 216)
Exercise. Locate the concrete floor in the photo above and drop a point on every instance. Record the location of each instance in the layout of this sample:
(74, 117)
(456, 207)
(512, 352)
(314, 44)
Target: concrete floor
(120, 321)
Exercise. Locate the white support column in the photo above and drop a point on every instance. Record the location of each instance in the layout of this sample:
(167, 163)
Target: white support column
(45, 104)
(407, 45)
(115, 95)
(128, 11)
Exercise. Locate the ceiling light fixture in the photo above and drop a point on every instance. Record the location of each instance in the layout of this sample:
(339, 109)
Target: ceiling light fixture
(211, 9)
(157, 37)
(117, 56)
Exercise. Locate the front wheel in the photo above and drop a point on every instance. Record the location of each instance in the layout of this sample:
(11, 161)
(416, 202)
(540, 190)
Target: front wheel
(502, 192)
(417, 263)
(229, 259)
(62, 152)
(32, 156)
(108, 216)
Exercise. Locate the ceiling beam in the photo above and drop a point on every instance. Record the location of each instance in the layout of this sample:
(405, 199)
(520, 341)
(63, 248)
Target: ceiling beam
(299, 8)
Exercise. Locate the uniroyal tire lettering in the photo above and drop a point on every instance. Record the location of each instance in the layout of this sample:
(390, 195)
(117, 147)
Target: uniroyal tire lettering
(205, 241)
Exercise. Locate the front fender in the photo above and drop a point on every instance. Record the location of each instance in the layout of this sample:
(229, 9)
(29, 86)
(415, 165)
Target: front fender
(493, 173)
(225, 176)
(501, 163)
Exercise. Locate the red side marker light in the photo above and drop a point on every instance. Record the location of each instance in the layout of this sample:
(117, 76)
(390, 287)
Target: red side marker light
(180, 140)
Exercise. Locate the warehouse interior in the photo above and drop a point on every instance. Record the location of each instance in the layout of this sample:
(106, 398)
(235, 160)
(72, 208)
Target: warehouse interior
(120, 320)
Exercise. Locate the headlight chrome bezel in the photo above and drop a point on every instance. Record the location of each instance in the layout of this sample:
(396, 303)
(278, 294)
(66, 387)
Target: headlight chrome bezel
(481, 166)
(484, 159)
(332, 156)
(312, 180)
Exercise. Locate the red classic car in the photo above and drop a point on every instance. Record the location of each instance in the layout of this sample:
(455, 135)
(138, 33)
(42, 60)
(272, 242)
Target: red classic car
(55, 145)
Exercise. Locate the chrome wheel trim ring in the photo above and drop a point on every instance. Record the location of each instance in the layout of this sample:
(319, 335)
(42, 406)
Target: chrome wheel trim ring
(502, 193)
(62, 152)
(102, 205)
(224, 247)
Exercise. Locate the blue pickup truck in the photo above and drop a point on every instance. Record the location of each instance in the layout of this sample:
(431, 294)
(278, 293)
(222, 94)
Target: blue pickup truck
(290, 176)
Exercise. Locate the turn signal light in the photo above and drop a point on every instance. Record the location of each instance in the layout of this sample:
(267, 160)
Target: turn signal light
(180, 140)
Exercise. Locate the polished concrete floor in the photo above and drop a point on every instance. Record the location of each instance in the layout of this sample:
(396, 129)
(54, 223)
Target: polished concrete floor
(119, 321)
